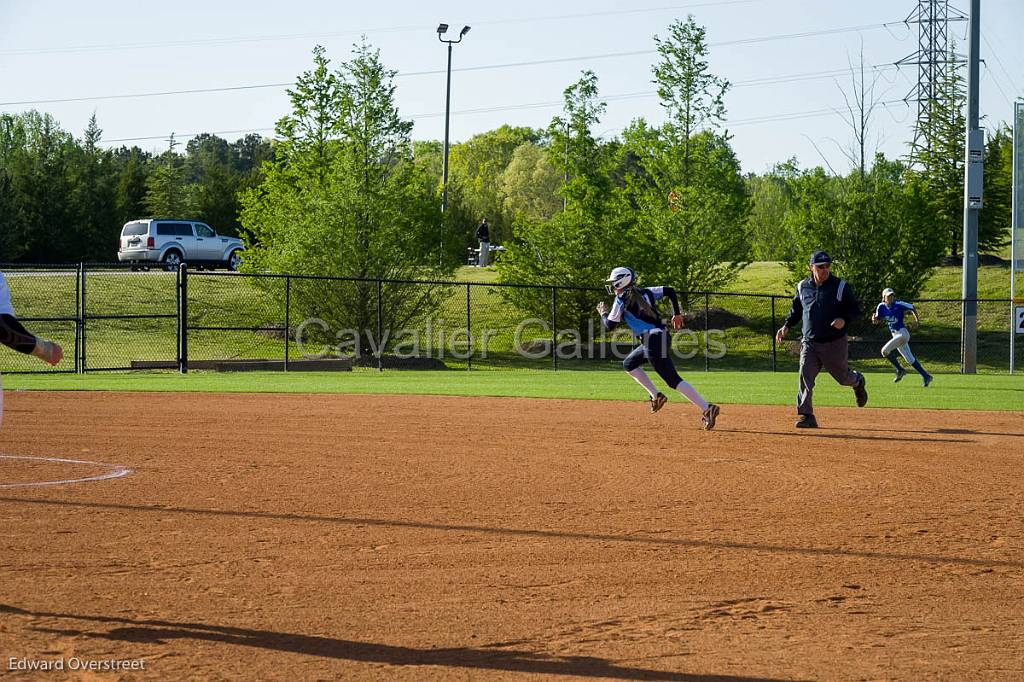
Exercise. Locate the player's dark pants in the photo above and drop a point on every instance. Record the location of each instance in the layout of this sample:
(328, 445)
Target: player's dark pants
(815, 356)
(654, 347)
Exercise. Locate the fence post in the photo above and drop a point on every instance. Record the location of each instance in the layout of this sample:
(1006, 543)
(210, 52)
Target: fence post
(469, 330)
(772, 334)
(183, 318)
(78, 319)
(85, 314)
(707, 325)
(287, 317)
(554, 327)
(380, 323)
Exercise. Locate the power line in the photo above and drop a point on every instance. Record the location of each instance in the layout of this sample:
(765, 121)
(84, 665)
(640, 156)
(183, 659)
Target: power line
(213, 42)
(490, 67)
(791, 116)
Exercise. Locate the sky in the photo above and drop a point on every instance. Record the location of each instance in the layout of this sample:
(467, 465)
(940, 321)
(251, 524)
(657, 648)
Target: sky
(788, 60)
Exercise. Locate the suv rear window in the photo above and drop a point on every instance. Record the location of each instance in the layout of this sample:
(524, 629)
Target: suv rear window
(174, 229)
(134, 229)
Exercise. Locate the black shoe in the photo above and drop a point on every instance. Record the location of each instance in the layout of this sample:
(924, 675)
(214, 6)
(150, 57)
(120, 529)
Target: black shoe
(658, 402)
(900, 373)
(710, 415)
(927, 380)
(861, 392)
(807, 421)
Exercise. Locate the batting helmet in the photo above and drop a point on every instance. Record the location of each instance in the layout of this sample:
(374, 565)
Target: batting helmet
(619, 280)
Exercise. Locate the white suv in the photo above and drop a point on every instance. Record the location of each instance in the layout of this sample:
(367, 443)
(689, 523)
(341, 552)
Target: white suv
(173, 242)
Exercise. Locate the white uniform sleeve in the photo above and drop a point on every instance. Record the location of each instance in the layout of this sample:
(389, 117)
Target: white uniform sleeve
(616, 313)
(5, 297)
(658, 292)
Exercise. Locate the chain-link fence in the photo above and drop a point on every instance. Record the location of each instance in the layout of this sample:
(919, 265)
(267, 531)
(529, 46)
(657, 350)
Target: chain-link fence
(116, 318)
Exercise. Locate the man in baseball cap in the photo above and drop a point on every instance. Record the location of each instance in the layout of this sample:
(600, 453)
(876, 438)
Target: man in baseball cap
(820, 258)
(826, 305)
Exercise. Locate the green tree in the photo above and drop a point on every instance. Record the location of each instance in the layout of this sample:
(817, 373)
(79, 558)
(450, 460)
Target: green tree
(344, 198)
(938, 157)
(475, 168)
(95, 223)
(996, 215)
(693, 97)
(692, 236)
(36, 154)
(683, 178)
(879, 228)
(529, 186)
(131, 170)
(577, 246)
(167, 192)
(214, 182)
(771, 198)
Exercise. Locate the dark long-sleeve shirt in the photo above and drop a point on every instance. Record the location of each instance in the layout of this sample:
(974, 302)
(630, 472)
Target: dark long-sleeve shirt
(818, 306)
(13, 335)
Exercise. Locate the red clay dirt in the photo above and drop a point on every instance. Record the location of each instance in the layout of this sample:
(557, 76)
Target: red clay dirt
(412, 538)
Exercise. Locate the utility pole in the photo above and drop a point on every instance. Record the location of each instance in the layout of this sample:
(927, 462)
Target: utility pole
(973, 168)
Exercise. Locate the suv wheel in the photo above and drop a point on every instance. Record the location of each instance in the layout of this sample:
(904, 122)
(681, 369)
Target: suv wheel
(172, 260)
(234, 261)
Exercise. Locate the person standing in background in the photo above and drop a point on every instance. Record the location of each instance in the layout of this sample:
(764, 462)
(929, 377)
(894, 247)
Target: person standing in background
(483, 235)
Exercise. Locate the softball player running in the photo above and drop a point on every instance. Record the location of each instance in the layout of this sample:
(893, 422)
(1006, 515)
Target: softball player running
(636, 307)
(892, 312)
(13, 335)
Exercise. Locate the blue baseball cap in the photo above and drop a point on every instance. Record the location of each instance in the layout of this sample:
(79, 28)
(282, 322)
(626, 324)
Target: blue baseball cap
(820, 258)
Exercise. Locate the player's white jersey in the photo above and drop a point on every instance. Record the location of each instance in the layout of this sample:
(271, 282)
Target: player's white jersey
(5, 297)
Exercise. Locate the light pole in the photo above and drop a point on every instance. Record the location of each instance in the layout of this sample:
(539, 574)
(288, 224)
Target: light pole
(441, 30)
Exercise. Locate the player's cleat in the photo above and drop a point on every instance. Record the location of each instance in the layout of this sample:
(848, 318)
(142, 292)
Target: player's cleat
(658, 402)
(710, 415)
(807, 421)
(861, 392)
(900, 373)
(927, 380)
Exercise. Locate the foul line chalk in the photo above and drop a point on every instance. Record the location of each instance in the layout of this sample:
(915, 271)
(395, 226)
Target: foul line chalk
(116, 471)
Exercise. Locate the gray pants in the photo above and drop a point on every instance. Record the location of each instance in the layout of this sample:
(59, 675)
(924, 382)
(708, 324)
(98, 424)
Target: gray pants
(485, 254)
(830, 355)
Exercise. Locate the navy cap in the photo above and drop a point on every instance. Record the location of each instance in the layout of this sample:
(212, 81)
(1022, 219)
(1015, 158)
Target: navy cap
(820, 258)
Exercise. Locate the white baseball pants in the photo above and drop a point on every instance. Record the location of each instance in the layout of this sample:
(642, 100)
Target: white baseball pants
(900, 341)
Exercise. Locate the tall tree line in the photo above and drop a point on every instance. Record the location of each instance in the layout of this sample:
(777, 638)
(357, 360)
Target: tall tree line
(64, 198)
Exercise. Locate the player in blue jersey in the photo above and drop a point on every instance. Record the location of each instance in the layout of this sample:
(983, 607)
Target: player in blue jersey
(636, 307)
(892, 312)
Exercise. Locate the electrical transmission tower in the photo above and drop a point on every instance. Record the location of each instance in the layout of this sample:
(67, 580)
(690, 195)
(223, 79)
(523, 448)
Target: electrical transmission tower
(934, 60)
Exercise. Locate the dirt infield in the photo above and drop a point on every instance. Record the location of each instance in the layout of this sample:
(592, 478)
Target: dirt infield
(369, 537)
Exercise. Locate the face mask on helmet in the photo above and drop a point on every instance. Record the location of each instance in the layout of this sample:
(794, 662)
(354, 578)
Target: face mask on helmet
(619, 280)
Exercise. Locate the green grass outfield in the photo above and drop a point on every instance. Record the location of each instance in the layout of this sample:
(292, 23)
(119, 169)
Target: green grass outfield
(977, 392)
